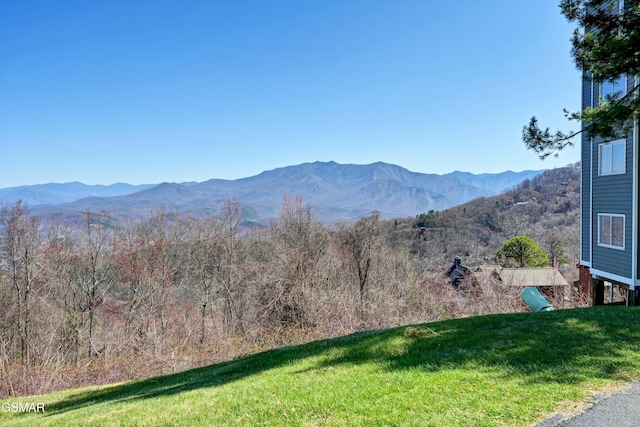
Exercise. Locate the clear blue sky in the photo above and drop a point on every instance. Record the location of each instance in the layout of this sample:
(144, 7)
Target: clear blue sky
(188, 90)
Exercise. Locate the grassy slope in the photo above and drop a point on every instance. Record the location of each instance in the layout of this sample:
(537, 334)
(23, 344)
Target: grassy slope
(493, 370)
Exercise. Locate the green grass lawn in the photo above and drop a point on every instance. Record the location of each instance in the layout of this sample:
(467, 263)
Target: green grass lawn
(498, 370)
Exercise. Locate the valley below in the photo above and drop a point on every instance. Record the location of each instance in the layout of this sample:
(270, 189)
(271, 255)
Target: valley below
(115, 288)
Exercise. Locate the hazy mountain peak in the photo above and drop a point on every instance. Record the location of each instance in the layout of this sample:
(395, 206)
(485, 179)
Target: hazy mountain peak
(336, 191)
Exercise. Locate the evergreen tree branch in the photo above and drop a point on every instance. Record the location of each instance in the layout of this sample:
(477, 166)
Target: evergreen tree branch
(603, 120)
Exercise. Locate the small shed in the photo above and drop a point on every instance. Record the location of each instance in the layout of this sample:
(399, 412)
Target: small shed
(541, 277)
(547, 280)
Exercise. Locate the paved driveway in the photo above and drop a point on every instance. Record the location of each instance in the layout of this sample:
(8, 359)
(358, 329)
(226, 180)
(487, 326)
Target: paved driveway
(621, 409)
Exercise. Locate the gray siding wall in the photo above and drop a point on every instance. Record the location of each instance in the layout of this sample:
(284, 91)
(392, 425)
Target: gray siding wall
(585, 200)
(606, 194)
(632, 141)
(613, 194)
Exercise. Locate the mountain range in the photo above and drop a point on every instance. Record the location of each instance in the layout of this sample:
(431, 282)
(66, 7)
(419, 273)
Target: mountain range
(335, 191)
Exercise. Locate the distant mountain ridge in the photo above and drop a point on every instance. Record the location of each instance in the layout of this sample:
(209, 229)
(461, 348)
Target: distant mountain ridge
(55, 193)
(335, 191)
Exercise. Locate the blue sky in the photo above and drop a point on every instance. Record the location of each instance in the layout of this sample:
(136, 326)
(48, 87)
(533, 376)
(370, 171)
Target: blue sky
(148, 91)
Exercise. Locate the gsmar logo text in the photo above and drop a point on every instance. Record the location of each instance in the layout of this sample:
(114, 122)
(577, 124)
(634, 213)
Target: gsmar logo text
(22, 407)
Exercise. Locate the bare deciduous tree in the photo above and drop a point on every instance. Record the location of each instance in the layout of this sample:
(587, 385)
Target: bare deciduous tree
(19, 246)
(299, 241)
(359, 241)
(94, 272)
(200, 270)
(231, 261)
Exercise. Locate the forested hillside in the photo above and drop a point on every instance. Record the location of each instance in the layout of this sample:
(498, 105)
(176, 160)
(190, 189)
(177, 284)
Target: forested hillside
(545, 208)
(107, 300)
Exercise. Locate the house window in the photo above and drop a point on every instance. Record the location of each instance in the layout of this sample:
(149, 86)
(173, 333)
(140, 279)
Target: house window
(611, 88)
(612, 157)
(611, 230)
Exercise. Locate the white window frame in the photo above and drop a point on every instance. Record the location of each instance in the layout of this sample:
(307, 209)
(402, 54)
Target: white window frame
(607, 242)
(606, 163)
(618, 85)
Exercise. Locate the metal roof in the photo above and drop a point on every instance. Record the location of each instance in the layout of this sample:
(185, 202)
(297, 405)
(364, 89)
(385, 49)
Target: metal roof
(522, 277)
